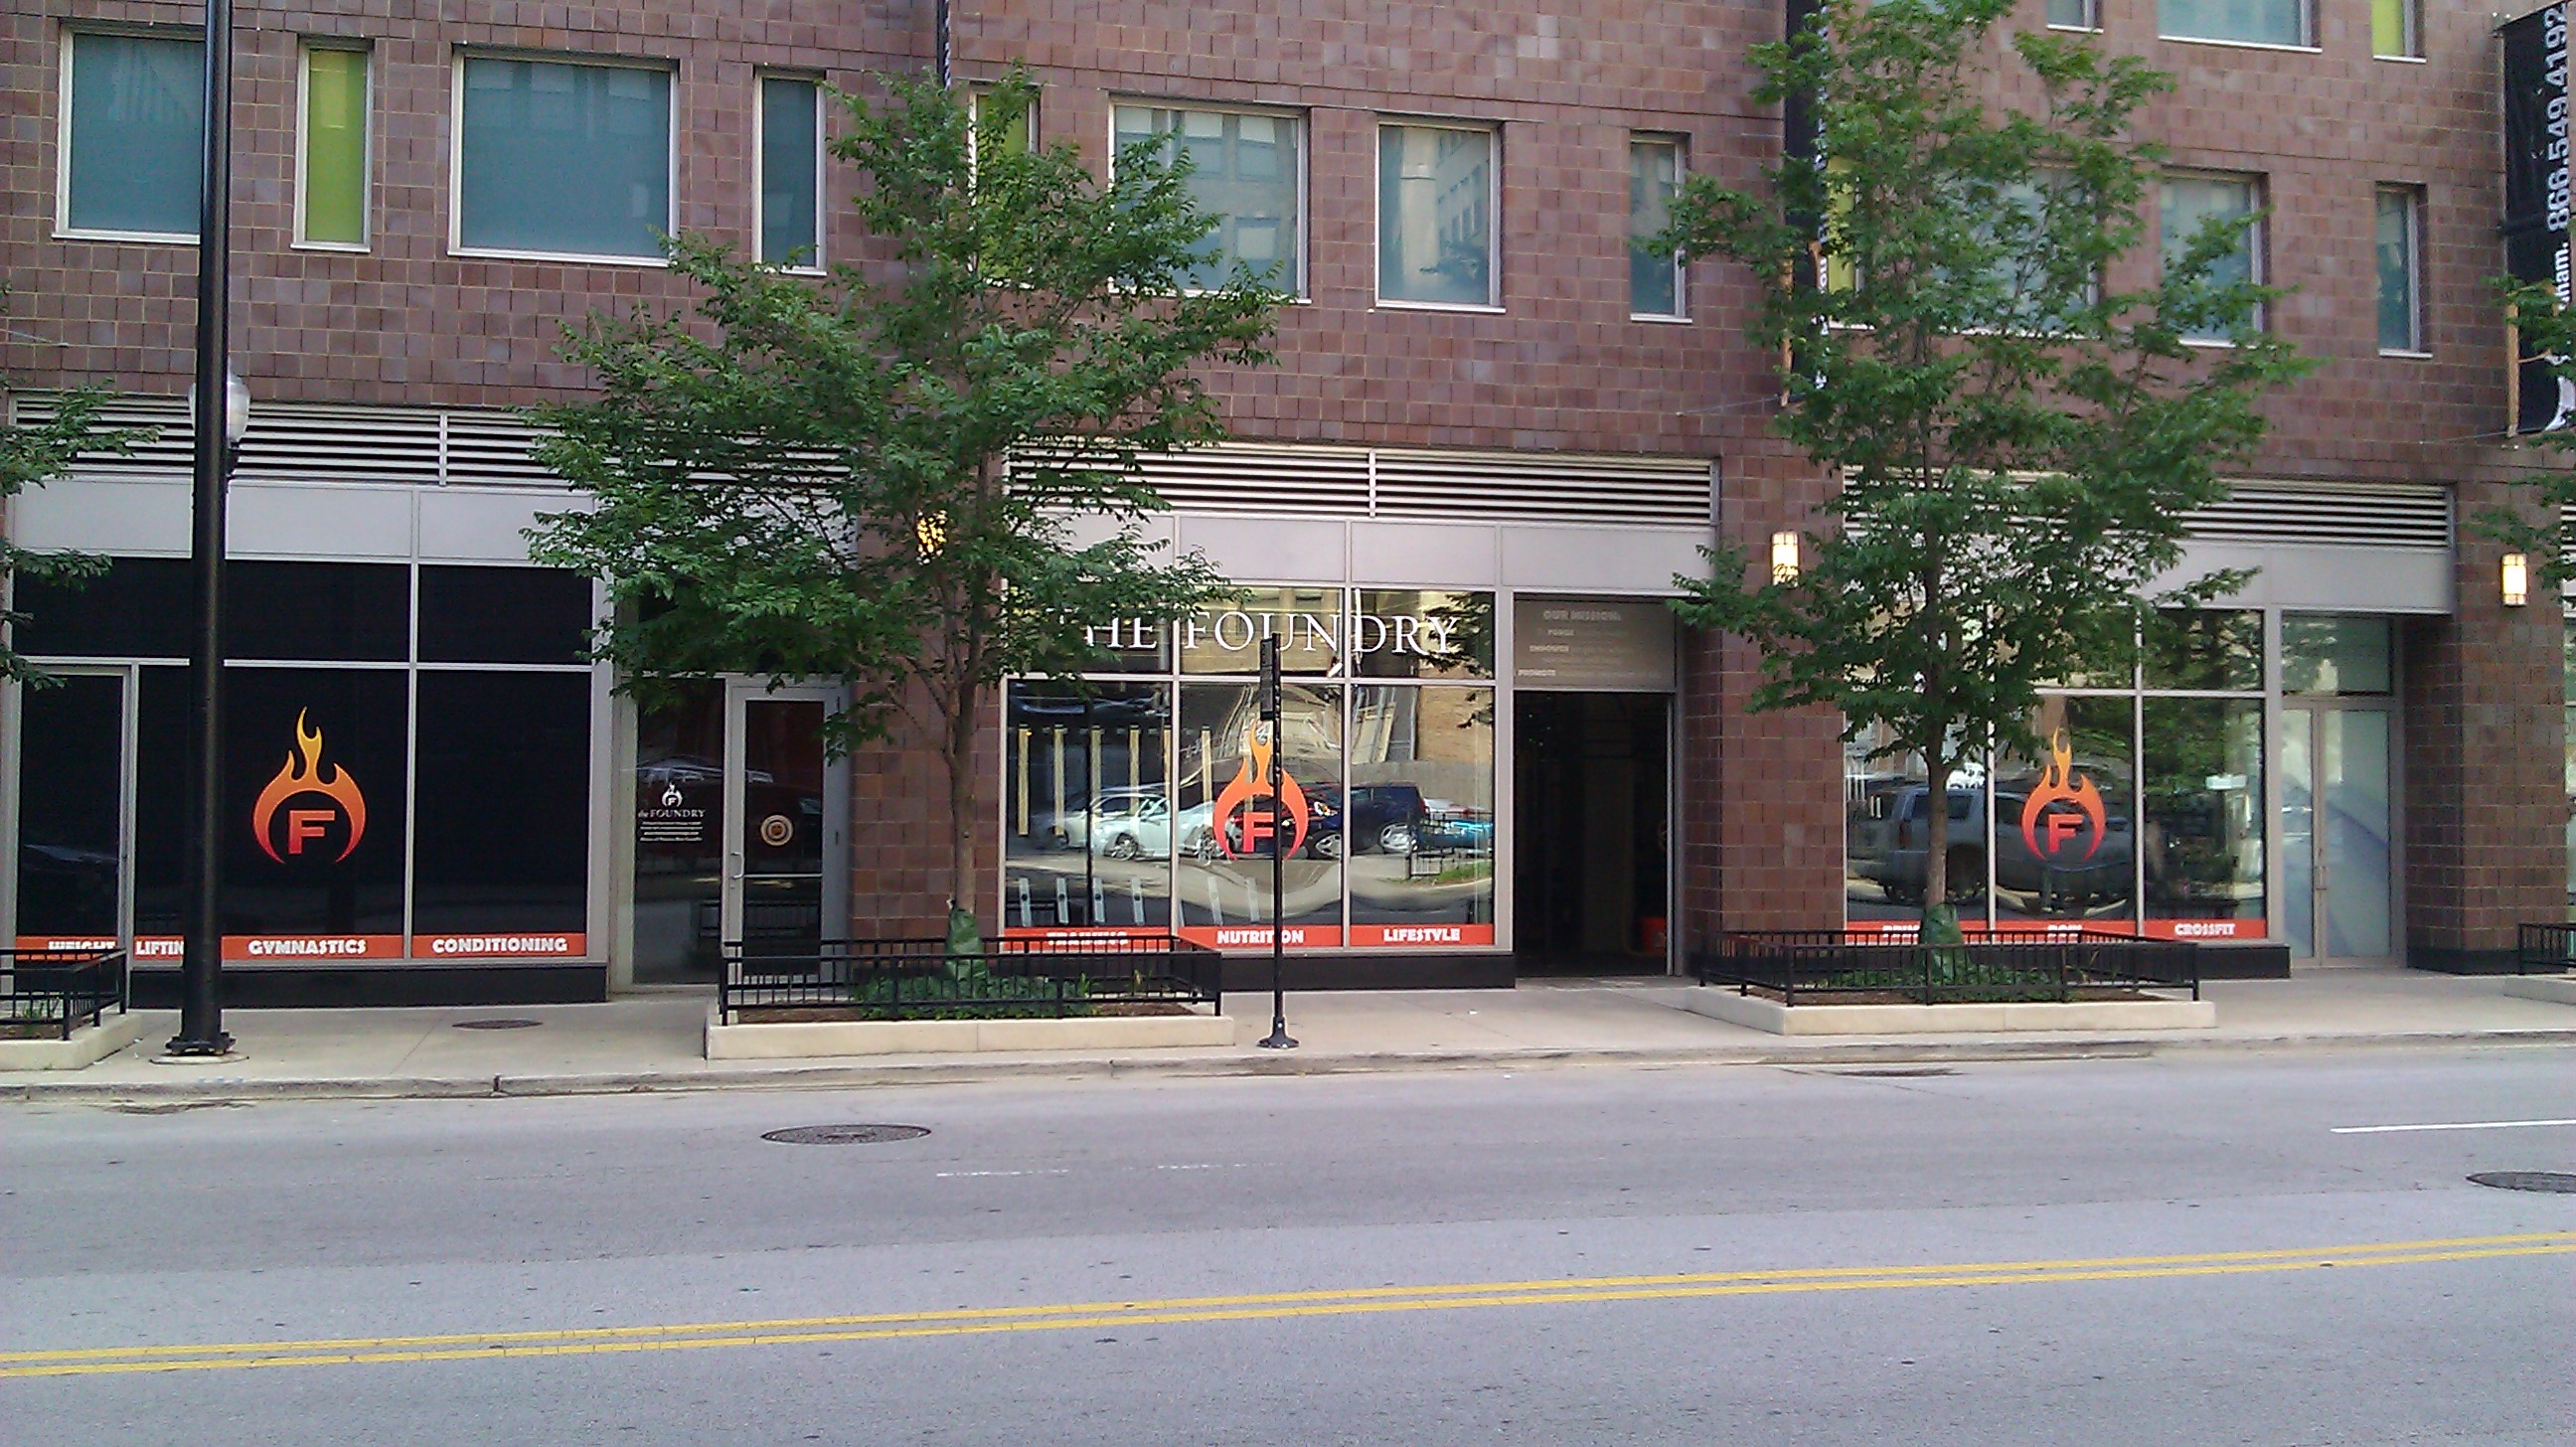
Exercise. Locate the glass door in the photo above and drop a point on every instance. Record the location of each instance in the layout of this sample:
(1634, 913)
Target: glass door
(786, 806)
(74, 880)
(2338, 850)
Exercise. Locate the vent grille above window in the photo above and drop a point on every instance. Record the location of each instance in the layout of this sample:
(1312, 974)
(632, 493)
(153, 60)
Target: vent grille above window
(2410, 516)
(322, 442)
(1319, 481)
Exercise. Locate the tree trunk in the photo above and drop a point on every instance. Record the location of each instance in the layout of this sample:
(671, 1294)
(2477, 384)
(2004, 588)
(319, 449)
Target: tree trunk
(957, 752)
(1940, 923)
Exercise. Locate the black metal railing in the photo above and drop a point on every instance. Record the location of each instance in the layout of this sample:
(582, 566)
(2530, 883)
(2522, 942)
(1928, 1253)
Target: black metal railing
(61, 989)
(2544, 947)
(1823, 966)
(919, 979)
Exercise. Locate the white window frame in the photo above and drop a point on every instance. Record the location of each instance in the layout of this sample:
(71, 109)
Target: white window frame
(464, 55)
(1305, 139)
(1681, 312)
(2414, 52)
(2420, 341)
(2258, 238)
(2092, 24)
(2306, 45)
(975, 123)
(367, 142)
(63, 227)
(815, 264)
(1493, 208)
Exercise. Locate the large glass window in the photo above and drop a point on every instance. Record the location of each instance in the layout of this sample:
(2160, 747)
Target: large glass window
(2249, 22)
(331, 180)
(564, 159)
(2065, 823)
(70, 776)
(1088, 831)
(1225, 831)
(2192, 202)
(2336, 653)
(133, 134)
(791, 171)
(313, 799)
(1435, 215)
(1245, 171)
(1417, 822)
(2203, 802)
(679, 826)
(1306, 621)
(2400, 224)
(1654, 277)
(503, 844)
(2205, 650)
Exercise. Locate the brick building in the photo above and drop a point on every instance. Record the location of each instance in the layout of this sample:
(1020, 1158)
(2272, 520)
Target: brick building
(1495, 435)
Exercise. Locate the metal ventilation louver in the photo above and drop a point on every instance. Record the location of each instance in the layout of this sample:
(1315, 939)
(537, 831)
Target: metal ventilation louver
(2408, 516)
(1293, 480)
(324, 442)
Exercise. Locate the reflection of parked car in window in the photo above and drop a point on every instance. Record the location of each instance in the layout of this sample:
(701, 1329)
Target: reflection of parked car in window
(1114, 814)
(1888, 845)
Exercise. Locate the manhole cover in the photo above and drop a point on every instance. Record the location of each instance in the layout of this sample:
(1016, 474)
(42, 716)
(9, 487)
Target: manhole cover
(1900, 1072)
(843, 1135)
(2558, 1182)
(498, 1024)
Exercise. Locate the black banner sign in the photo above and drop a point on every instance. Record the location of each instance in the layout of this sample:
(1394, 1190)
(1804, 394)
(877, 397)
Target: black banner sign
(2536, 119)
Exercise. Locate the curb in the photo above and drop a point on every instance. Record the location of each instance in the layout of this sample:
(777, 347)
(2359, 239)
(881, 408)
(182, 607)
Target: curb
(960, 1072)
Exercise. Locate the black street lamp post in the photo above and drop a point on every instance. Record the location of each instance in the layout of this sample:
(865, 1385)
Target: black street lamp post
(1270, 715)
(221, 409)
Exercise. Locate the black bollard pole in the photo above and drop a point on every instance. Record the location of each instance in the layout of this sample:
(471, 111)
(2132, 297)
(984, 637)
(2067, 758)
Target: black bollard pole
(1270, 712)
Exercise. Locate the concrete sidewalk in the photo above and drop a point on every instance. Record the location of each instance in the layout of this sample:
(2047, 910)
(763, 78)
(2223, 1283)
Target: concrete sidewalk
(654, 1042)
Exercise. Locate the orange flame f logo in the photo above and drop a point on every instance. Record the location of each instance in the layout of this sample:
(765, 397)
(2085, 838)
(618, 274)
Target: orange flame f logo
(2060, 784)
(305, 773)
(1252, 781)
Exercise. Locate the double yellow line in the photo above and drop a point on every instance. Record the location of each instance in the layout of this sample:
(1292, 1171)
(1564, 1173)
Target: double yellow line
(1266, 1306)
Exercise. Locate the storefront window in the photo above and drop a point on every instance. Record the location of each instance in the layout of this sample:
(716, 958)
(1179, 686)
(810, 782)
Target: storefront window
(2336, 653)
(679, 823)
(503, 842)
(1222, 822)
(2203, 836)
(2065, 823)
(1417, 823)
(68, 808)
(1087, 833)
(1420, 634)
(313, 787)
(1306, 621)
(2205, 650)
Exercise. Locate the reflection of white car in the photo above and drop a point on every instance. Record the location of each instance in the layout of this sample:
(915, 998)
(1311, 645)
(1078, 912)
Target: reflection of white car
(1129, 827)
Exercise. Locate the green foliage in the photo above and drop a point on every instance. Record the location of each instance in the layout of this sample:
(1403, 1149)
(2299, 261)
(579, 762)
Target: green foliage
(917, 474)
(2540, 529)
(969, 989)
(32, 455)
(2018, 444)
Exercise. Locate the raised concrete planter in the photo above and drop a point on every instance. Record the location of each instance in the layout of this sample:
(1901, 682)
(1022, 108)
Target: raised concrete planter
(2558, 988)
(89, 1044)
(806, 1039)
(1754, 1012)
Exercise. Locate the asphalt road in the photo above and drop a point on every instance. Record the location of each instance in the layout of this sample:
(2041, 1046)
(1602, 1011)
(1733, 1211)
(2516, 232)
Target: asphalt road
(2090, 1252)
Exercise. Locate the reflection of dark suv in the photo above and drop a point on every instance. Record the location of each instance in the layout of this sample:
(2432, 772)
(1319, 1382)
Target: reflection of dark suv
(1380, 819)
(1889, 847)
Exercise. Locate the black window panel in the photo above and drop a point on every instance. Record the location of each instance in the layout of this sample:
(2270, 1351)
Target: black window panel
(503, 615)
(161, 801)
(67, 807)
(503, 841)
(319, 611)
(138, 608)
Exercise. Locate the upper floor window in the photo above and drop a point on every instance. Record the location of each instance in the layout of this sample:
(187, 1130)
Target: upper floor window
(133, 137)
(2074, 14)
(2247, 22)
(2401, 268)
(1654, 277)
(331, 155)
(1245, 171)
(791, 172)
(563, 158)
(1436, 199)
(2396, 29)
(2189, 202)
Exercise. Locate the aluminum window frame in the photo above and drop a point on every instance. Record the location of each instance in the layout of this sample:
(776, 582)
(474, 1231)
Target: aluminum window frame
(2091, 23)
(2411, 21)
(817, 264)
(2306, 44)
(463, 56)
(1494, 292)
(67, 56)
(1304, 291)
(2418, 337)
(304, 49)
(2258, 236)
(1680, 143)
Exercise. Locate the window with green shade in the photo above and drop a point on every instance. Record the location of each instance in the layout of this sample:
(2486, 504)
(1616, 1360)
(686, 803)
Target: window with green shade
(1654, 277)
(1435, 215)
(331, 195)
(561, 158)
(2394, 30)
(2400, 248)
(2247, 22)
(2188, 203)
(791, 166)
(134, 134)
(1245, 171)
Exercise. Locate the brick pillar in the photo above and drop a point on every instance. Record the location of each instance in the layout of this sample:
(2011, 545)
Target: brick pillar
(899, 836)
(2485, 793)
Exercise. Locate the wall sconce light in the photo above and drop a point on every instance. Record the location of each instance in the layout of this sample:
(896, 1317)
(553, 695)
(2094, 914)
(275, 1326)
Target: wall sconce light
(1784, 559)
(2517, 580)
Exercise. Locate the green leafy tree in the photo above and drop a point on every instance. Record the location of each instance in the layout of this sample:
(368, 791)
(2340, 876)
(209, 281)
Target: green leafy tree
(917, 474)
(32, 454)
(2017, 442)
(2539, 527)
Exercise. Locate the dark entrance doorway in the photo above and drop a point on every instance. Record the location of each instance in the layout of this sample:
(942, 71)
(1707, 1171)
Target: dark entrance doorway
(1589, 825)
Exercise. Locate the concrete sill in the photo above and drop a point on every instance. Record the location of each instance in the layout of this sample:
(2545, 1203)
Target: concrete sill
(1754, 1012)
(800, 1040)
(87, 1046)
(2559, 989)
